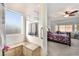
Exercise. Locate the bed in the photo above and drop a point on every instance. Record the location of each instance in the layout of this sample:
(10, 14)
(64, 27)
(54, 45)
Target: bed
(63, 38)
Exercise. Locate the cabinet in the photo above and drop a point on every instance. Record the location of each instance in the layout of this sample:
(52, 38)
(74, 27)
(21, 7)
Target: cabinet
(31, 50)
(17, 51)
(10, 52)
(25, 52)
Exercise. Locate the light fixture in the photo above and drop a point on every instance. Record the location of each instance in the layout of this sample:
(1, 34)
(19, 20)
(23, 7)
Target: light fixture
(66, 16)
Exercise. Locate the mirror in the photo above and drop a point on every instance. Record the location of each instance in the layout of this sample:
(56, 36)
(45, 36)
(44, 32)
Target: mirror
(32, 28)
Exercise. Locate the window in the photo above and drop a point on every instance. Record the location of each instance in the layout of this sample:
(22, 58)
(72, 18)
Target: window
(68, 28)
(12, 22)
(64, 28)
(56, 28)
(13, 27)
(77, 27)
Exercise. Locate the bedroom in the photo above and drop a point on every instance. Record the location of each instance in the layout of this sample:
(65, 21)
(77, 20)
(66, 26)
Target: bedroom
(63, 29)
(30, 24)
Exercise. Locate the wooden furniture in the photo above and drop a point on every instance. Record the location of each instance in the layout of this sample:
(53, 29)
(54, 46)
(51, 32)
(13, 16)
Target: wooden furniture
(28, 49)
(31, 50)
(17, 51)
(10, 52)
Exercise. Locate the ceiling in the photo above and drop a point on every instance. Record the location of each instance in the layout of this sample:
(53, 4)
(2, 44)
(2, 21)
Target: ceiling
(23, 8)
(18, 7)
(54, 10)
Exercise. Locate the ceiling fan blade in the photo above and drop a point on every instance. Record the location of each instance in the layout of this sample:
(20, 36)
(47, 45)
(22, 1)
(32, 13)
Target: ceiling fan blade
(74, 11)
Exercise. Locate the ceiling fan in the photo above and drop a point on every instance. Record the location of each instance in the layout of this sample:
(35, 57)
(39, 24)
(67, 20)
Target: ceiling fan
(69, 13)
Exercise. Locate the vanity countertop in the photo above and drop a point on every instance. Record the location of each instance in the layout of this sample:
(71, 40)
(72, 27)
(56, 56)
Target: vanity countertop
(16, 45)
(31, 46)
(28, 45)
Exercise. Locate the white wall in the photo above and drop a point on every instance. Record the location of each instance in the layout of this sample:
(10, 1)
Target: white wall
(43, 18)
(42, 23)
